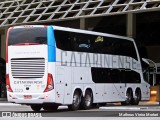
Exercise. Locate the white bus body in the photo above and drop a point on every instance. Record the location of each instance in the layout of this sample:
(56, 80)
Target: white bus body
(52, 66)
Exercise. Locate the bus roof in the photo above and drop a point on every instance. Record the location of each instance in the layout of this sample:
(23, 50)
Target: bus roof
(76, 30)
(91, 32)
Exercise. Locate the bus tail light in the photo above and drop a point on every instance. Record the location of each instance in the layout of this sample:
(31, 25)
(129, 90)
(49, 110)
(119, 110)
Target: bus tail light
(50, 84)
(8, 84)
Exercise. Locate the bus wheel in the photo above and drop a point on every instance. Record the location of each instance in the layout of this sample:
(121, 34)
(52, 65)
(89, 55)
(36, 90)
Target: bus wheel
(50, 107)
(137, 97)
(36, 107)
(76, 101)
(87, 100)
(129, 98)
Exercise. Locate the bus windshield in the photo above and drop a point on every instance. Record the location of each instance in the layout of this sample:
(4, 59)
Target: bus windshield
(20, 36)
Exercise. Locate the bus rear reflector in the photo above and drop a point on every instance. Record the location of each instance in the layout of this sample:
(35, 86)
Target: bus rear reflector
(50, 83)
(8, 83)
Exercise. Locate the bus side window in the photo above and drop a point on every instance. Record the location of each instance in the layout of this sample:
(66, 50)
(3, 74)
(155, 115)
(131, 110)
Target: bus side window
(97, 44)
(128, 49)
(64, 40)
(83, 41)
(72, 40)
(115, 76)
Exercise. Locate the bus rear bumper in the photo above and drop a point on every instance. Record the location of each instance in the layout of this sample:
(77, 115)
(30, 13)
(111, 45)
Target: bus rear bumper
(31, 98)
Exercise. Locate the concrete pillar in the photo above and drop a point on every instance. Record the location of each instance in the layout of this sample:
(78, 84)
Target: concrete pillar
(3, 33)
(154, 79)
(82, 23)
(131, 25)
(83, 20)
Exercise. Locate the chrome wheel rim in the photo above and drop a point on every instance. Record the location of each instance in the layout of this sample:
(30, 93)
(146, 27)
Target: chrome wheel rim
(76, 100)
(128, 99)
(88, 100)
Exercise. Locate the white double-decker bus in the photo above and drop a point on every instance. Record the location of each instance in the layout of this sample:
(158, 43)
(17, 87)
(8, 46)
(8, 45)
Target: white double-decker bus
(49, 66)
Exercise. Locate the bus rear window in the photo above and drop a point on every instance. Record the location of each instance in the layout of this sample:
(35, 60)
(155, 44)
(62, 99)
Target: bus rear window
(27, 35)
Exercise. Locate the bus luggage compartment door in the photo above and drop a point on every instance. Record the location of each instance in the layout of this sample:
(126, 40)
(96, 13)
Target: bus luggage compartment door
(63, 85)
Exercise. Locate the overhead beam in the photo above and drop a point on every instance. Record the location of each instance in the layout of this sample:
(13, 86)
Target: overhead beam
(131, 25)
(15, 12)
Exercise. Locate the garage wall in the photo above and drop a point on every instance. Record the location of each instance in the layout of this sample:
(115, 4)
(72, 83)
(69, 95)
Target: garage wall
(153, 53)
(3, 43)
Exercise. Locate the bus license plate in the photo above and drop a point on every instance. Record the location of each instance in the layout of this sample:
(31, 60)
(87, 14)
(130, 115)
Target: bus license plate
(27, 96)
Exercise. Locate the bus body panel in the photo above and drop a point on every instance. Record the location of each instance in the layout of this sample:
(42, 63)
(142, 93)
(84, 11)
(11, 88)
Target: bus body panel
(68, 85)
(51, 44)
(119, 91)
(26, 62)
(34, 59)
(99, 92)
(37, 98)
(75, 70)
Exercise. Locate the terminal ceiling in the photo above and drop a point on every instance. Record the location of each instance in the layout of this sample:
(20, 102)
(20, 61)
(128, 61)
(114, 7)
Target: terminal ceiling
(14, 12)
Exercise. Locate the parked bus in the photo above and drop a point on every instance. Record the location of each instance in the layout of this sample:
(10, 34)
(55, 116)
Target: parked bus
(49, 66)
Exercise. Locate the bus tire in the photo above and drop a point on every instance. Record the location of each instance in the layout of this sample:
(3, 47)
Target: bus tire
(76, 101)
(129, 95)
(137, 97)
(36, 107)
(50, 107)
(87, 100)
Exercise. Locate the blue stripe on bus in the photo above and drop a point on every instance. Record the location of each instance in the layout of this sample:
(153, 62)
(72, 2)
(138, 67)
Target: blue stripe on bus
(51, 44)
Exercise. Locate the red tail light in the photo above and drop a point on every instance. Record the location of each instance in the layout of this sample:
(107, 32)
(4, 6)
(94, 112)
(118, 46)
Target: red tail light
(8, 84)
(50, 84)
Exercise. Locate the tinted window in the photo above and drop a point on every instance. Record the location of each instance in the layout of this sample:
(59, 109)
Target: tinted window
(28, 35)
(70, 41)
(65, 40)
(107, 75)
(132, 77)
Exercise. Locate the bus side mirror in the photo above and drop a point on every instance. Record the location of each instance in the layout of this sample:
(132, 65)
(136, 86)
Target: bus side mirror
(145, 60)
